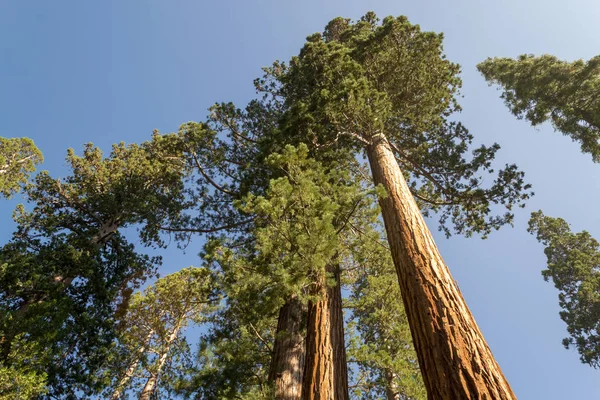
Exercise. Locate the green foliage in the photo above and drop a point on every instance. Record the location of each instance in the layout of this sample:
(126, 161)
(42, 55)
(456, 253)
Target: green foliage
(298, 230)
(225, 161)
(18, 158)
(574, 267)
(362, 79)
(22, 378)
(153, 326)
(234, 356)
(136, 185)
(545, 88)
(304, 213)
(68, 265)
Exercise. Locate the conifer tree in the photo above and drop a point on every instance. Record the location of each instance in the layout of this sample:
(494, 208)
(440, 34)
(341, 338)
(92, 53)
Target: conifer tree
(68, 266)
(388, 90)
(150, 338)
(544, 88)
(573, 267)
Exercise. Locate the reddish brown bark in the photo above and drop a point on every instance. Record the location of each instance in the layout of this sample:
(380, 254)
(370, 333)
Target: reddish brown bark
(455, 360)
(325, 372)
(289, 350)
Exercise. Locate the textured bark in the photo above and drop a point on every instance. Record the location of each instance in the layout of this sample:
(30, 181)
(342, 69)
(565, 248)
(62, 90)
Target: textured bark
(336, 317)
(289, 350)
(325, 372)
(455, 360)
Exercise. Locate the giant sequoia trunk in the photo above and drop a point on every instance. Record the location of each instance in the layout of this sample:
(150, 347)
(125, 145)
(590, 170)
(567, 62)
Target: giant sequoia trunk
(325, 372)
(289, 350)
(455, 360)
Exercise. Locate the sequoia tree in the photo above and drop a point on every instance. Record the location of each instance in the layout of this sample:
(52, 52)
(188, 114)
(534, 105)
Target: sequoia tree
(544, 88)
(388, 90)
(292, 261)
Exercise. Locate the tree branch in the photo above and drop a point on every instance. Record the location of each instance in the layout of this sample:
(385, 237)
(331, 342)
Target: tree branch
(208, 230)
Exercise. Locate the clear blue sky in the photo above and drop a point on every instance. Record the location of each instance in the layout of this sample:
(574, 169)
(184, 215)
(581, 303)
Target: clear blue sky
(107, 71)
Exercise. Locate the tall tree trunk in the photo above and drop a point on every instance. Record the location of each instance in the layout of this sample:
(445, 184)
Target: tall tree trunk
(325, 372)
(455, 360)
(162, 359)
(132, 367)
(289, 351)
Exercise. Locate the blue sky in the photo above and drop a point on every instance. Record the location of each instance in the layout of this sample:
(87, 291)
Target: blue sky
(73, 72)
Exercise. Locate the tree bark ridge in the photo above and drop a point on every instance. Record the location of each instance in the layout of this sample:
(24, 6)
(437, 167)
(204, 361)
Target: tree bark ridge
(454, 358)
(325, 372)
(289, 351)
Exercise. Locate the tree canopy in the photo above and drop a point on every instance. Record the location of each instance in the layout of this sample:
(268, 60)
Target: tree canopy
(18, 158)
(357, 80)
(68, 266)
(544, 88)
(574, 268)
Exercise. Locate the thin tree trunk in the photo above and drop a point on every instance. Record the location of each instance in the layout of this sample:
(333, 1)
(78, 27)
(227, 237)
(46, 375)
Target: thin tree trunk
(454, 358)
(131, 369)
(289, 351)
(325, 372)
(336, 315)
(162, 359)
(391, 388)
